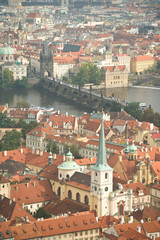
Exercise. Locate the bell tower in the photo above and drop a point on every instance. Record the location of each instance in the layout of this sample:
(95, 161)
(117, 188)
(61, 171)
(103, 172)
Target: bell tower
(101, 178)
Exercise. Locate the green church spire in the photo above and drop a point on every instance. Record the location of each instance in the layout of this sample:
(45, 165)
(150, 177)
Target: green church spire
(101, 164)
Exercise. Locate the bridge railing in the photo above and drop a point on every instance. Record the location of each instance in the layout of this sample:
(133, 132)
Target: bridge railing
(87, 91)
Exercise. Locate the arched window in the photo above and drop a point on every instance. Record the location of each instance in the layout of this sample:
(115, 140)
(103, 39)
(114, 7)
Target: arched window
(59, 192)
(86, 200)
(78, 198)
(69, 194)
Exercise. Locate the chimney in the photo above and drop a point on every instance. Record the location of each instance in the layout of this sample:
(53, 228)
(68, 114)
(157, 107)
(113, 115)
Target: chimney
(66, 114)
(151, 126)
(91, 159)
(141, 221)
(122, 220)
(33, 150)
(14, 199)
(64, 158)
(131, 219)
(5, 153)
(37, 152)
(142, 149)
(54, 156)
(139, 229)
(10, 201)
(21, 150)
(151, 149)
(34, 183)
(27, 184)
(22, 205)
(120, 158)
(41, 153)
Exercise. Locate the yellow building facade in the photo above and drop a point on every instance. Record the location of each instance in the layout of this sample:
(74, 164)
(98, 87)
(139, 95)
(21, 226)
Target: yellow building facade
(141, 63)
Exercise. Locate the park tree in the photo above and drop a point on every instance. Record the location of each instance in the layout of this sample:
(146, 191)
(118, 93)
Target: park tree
(94, 73)
(6, 78)
(52, 146)
(41, 213)
(150, 116)
(134, 110)
(10, 141)
(88, 73)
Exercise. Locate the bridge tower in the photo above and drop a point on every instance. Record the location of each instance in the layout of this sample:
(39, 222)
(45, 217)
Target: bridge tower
(46, 62)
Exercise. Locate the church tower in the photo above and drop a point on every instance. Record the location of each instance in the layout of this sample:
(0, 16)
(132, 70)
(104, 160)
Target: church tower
(108, 55)
(21, 34)
(101, 178)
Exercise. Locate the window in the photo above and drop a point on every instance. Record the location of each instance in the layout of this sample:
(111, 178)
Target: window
(106, 175)
(86, 200)
(106, 189)
(96, 174)
(78, 197)
(69, 194)
(95, 188)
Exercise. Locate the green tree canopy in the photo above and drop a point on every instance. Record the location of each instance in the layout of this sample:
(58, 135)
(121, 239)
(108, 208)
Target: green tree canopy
(21, 83)
(150, 116)
(41, 213)
(52, 146)
(6, 79)
(134, 110)
(88, 73)
(11, 140)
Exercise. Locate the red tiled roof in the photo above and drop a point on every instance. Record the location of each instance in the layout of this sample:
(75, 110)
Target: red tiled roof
(32, 192)
(33, 15)
(142, 58)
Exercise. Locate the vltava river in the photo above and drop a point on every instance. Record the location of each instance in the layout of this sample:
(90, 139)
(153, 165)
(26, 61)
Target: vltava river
(44, 98)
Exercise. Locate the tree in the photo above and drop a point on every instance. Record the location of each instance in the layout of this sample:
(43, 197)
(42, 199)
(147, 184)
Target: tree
(6, 79)
(6, 122)
(94, 73)
(11, 140)
(88, 73)
(150, 116)
(52, 146)
(115, 107)
(74, 149)
(21, 83)
(41, 213)
(26, 129)
(82, 76)
(134, 110)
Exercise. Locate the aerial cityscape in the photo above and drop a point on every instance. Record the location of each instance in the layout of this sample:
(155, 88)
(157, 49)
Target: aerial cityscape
(79, 119)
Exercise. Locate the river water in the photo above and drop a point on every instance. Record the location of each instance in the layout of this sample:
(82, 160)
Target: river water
(41, 97)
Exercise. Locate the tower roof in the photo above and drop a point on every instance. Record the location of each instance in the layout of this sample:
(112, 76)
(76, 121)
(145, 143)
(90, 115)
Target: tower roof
(20, 26)
(101, 164)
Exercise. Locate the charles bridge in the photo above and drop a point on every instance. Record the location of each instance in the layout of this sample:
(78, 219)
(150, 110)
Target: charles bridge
(80, 95)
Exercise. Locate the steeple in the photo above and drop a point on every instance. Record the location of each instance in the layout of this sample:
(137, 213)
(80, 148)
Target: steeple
(101, 164)
(20, 26)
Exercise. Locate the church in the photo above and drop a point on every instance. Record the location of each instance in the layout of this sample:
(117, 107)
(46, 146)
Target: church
(94, 188)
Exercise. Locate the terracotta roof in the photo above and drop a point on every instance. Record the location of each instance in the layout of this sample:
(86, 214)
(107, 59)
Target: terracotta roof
(68, 224)
(143, 58)
(11, 209)
(3, 179)
(65, 206)
(32, 192)
(136, 187)
(113, 68)
(147, 214)
(33, 15)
